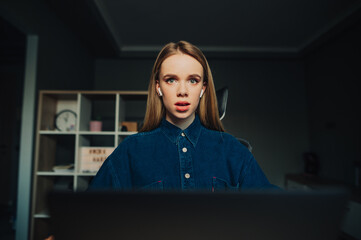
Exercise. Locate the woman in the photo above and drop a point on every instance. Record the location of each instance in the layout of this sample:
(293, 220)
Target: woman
(182, 145)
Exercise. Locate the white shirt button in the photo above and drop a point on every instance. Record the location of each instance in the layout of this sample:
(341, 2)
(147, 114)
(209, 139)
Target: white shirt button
(182, 134)
(187, 175)
(184, 150)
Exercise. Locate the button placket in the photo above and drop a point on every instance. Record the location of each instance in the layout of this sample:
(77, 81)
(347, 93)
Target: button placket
(186, 163)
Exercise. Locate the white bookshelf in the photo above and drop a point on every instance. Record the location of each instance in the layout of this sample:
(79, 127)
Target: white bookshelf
(54, 147)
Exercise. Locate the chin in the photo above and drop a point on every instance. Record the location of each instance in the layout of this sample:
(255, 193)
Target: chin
(182, 116)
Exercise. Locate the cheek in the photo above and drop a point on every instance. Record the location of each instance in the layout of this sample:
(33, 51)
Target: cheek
(195, 100)
(196, 94)
(167, 99)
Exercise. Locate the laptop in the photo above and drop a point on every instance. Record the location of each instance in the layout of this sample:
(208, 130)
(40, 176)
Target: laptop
(197, 215)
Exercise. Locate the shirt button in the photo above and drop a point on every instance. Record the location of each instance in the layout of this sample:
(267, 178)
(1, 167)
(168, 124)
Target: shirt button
(182, 134)
(187, 175)
(184, 150)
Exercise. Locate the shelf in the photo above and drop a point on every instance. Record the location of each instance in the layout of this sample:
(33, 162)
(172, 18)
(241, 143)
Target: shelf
(54, 174)
(56, 149)
(56, 132)
(127, 133)
(51, 173)
(115, 109)
(86, 174)
(50, 105)
(98, 107)
(96, 133)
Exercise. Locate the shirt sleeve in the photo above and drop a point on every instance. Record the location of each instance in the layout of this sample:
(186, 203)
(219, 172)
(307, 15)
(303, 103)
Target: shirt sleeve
(114, 174)
(252, 177)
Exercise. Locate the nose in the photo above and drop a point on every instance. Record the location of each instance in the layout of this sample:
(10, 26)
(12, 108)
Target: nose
(182, 90)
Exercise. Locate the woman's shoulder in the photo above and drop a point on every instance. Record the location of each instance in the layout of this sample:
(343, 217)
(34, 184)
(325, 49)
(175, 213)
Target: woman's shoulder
(140, 136)
(132, 142)
(224, 135)
(226, 138)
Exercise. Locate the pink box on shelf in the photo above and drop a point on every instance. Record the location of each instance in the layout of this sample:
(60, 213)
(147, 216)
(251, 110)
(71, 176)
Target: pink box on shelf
(95, 126)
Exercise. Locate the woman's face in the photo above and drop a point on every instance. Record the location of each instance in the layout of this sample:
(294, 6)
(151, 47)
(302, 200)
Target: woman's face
(181, 82)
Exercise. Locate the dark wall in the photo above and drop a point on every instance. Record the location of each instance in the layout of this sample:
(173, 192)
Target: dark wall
(122, 74)
(63, 64)
(267, 106)
(63, 61)
(333, 74)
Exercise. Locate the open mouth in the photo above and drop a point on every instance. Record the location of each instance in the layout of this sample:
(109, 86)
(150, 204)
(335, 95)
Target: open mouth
(182, 106)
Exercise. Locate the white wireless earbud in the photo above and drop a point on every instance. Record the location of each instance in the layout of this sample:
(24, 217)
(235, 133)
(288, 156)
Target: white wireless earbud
(201, 94)
(160, 92)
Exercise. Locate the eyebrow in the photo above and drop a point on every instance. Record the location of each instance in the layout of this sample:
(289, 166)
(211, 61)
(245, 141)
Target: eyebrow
(169, 75)
(173, 75)
(195, 75)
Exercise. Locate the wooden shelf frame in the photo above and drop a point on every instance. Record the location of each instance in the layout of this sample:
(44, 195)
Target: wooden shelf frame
(49, 139)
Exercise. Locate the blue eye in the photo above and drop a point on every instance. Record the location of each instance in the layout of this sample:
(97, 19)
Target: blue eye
(170, 80)
(193, 81)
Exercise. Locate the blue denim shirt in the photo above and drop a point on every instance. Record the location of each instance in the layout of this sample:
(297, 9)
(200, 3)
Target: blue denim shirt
(168, 158)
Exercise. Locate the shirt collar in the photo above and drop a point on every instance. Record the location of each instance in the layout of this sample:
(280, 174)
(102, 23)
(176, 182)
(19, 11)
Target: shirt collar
(192, 132)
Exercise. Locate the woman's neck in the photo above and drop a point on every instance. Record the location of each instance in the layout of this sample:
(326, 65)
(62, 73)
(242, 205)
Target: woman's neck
(181, 123)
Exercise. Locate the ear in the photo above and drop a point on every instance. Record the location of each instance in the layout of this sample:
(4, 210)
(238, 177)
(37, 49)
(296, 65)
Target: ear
(157, 88)
(204, 87)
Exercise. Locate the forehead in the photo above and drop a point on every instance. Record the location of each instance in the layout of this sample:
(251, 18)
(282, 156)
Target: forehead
(181, 64)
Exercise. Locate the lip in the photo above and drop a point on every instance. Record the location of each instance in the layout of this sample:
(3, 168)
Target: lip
(182, 106)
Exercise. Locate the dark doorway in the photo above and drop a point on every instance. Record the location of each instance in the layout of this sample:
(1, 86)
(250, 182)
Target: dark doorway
(12, 65)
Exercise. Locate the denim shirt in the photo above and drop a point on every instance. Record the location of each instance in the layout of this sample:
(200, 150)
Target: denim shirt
(169, 158)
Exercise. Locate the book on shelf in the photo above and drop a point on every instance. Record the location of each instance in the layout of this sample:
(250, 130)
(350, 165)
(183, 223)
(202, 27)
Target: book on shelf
(64, 168)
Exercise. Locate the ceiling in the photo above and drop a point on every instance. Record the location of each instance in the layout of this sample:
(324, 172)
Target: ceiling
(114, 28)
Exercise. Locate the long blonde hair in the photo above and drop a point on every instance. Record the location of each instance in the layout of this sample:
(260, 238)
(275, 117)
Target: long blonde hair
(207, 108)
